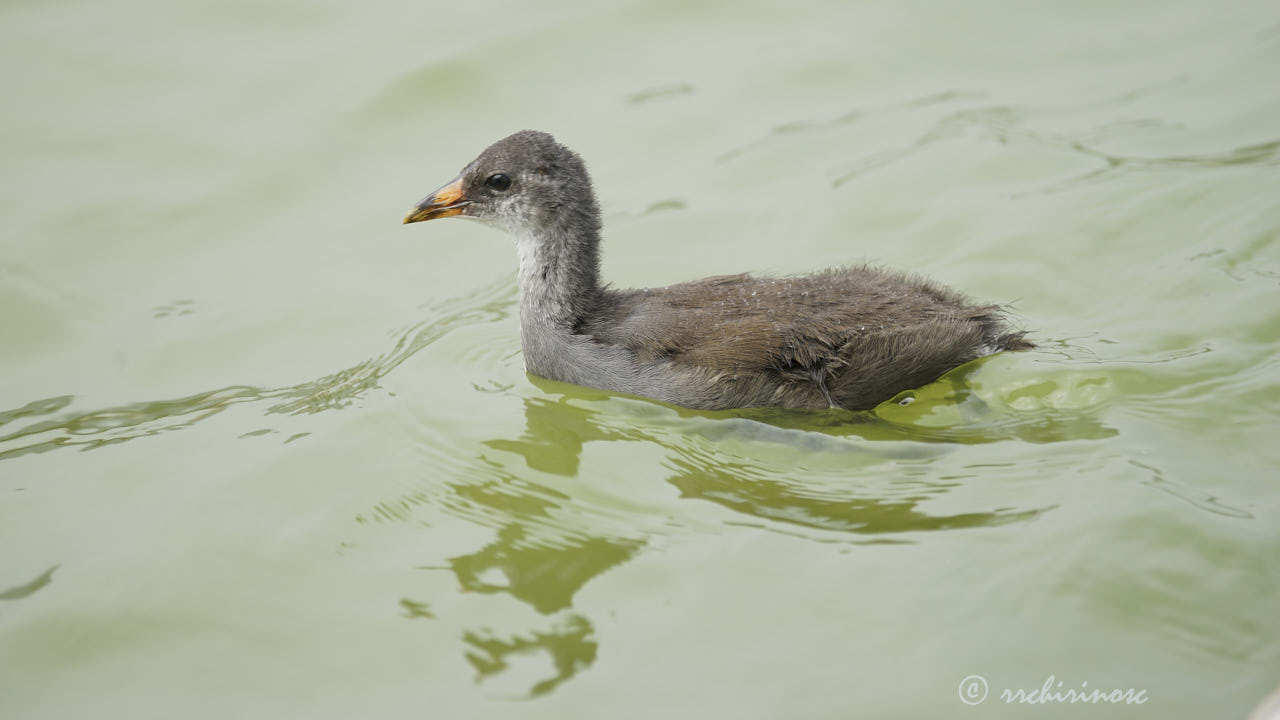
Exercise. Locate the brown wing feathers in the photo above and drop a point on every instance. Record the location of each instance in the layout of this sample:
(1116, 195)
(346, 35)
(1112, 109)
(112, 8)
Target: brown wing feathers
(743, 324)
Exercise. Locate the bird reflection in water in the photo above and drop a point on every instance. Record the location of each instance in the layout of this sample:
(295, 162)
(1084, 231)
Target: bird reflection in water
(546, 546)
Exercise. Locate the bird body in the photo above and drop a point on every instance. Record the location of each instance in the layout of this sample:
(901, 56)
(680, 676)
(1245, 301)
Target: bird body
(840, 338)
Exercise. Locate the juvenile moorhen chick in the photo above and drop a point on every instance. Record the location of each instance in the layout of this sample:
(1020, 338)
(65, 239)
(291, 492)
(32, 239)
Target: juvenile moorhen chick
(841, 338)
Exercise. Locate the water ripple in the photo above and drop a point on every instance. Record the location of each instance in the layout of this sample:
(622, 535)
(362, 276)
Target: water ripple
(96, 428)
(27, 589)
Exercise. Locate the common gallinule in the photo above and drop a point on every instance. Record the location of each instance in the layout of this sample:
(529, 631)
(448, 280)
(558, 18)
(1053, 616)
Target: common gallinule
(848, 337)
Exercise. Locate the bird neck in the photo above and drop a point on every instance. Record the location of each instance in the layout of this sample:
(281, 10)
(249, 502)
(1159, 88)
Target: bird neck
(560, 271)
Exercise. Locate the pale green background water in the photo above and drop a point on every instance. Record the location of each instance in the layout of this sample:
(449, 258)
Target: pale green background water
(265, 453)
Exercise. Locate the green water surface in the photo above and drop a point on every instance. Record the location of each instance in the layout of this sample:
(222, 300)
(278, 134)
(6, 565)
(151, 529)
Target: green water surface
(265, 452)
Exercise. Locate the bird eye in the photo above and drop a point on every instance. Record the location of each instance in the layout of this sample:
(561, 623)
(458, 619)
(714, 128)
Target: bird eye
(498, 182)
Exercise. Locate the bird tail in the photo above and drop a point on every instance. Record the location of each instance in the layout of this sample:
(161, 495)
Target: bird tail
(1014, 341)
